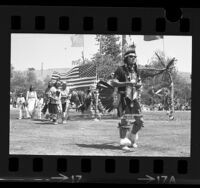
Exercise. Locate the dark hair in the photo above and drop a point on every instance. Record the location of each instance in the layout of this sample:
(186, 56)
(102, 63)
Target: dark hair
(55, 84)
(64, 85)
(135, 69)
(31, 88)
(126, 59)
(49, 84)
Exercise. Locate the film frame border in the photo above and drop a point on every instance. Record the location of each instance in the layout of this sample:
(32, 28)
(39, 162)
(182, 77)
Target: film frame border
(63, 20)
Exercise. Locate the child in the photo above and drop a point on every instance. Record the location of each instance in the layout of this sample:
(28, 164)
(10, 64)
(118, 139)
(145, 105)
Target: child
(21, 105)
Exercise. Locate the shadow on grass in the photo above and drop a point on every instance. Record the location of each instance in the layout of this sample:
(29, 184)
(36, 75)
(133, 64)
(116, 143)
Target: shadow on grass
(44, 123)
(100, 146)
(39, 120)
(78, 119)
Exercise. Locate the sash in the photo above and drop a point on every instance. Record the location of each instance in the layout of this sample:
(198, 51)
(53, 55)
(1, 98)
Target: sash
(131, 92)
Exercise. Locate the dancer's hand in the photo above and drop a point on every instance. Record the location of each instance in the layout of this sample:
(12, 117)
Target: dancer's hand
(131, 84)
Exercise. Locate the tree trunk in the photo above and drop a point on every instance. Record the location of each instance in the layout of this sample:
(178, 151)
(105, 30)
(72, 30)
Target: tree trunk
(172, 91)
(123, 44)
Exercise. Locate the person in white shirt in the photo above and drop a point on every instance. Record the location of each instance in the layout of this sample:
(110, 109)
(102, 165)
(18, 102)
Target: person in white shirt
(39, 106)
(65, 101)
(31, 98)
(21, 105)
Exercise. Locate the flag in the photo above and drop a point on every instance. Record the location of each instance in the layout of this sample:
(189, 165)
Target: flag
(77, 41)
(55, 76)
(152, 37)
(79, 76)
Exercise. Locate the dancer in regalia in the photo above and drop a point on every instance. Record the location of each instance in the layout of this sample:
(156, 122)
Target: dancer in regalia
(128, 81)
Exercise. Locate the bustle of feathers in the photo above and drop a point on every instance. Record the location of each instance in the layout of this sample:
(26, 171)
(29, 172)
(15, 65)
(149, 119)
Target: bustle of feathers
(106, 96)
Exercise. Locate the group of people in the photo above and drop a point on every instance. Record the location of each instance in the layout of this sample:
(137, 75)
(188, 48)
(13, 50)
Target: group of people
(27, 105)
(55, 102)
(128, 83)
(126, 79)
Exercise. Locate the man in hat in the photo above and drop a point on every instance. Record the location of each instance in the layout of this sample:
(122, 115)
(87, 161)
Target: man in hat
(129, 85)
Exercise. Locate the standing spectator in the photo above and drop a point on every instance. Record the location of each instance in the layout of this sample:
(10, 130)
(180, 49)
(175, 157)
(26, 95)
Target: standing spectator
(58, 86)
(31, 98)
(46, 98)
(14, 99)
(89, 101)
(65, 102)
(21, 105)
(165, 94)
(54, 103)
(39, 105)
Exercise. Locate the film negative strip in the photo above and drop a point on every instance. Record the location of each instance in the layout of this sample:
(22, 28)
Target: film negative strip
(87, 66)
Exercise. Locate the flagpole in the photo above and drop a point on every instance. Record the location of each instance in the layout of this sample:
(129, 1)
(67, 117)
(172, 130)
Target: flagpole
(123, 44)
(83, 51)
(96, 98)
(163, 45)
(100, 47)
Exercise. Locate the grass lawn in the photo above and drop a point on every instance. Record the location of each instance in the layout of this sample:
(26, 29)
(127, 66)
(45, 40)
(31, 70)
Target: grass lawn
(81, 136)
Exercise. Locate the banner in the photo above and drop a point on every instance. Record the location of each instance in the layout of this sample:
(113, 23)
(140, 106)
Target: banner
(152, 37)
(77, 41)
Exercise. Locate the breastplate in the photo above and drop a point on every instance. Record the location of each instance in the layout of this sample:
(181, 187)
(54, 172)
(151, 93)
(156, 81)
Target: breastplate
(131, 92)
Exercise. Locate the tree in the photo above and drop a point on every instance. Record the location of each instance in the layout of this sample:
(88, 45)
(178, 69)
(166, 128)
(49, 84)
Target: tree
(18, 80)
(18, 83)
(77, 62)
(109, 46)
(105, 66)
(31, 77)
(11, 71)
(145, 98)
(46, 80)
(108, 56)
(31, 69)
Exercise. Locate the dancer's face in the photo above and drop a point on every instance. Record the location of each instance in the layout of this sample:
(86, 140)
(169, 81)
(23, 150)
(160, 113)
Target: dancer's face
(131, 60)
(64, 86)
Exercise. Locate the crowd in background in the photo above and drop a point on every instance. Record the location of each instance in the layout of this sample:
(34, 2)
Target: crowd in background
(50, 104)
(160, 107)
(54, 103)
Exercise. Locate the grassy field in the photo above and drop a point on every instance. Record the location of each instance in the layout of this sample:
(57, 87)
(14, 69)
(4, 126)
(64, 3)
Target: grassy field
(83, 136)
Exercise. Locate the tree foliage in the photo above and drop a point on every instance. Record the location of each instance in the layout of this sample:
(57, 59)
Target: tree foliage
(109, 45)
(109, 55)
(19, 78)
(46, 80)
(105, 66)
(21, 81)
(31, 77)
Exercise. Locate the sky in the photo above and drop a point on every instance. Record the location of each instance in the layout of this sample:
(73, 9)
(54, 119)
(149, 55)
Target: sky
(55, 50)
